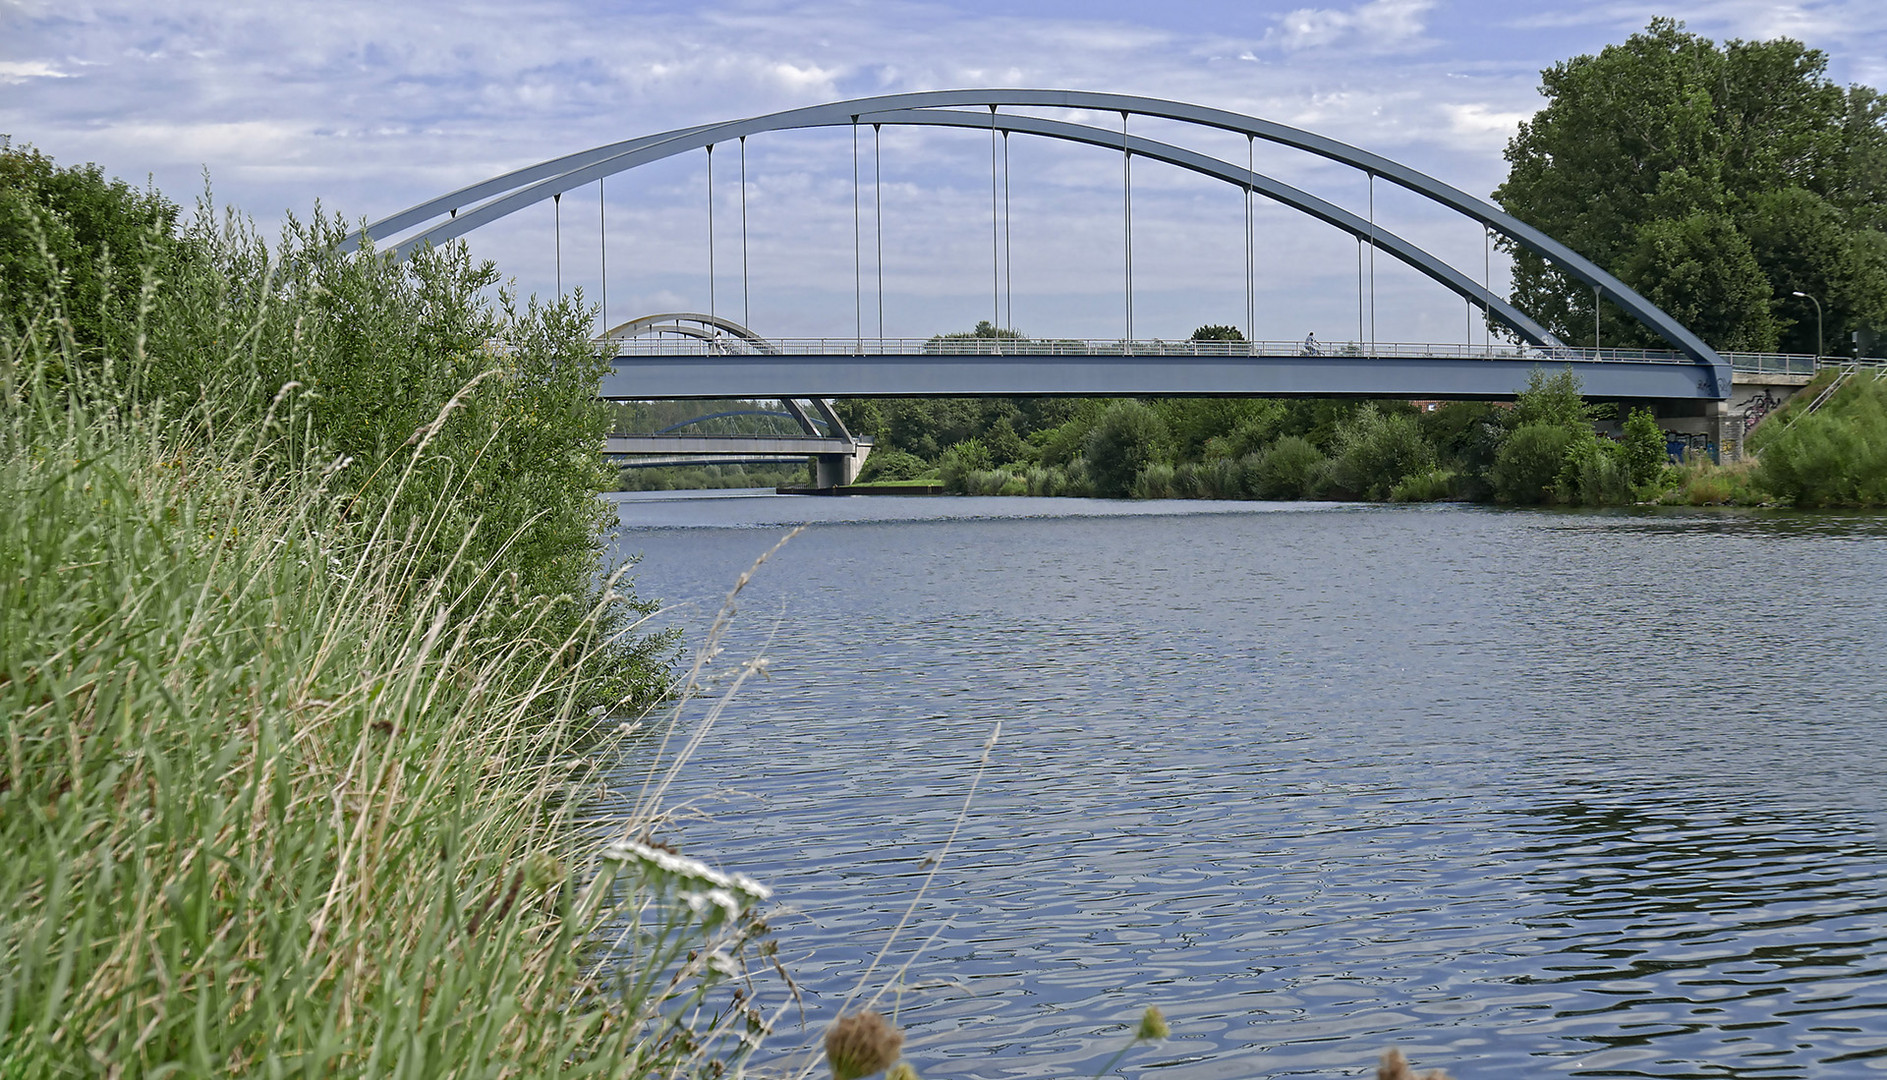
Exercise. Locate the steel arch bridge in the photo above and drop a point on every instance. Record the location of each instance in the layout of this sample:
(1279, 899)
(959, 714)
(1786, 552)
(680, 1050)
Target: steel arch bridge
(672, 366)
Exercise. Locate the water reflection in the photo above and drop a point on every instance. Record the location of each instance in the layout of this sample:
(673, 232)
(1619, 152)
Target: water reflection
(1722, 521)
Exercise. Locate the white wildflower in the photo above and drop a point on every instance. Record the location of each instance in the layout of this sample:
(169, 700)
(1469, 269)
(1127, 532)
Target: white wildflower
(722, 964)
(713, 905)
(669, 864)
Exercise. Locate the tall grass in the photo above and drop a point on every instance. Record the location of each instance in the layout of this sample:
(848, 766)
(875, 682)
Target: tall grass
(294, 755)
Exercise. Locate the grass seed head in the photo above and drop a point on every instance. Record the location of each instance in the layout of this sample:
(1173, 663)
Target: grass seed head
(1153, 1025)
(1396, 1067)
(861, 1044)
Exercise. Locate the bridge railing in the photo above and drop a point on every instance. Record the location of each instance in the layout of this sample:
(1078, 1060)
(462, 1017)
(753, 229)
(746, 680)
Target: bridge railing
(1795, 363)
(1151, 347)
(1747, 362)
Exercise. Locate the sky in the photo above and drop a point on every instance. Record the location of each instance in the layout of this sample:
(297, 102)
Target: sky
(364, 107)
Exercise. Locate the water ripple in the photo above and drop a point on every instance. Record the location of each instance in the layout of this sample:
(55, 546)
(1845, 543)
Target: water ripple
(1582, 795)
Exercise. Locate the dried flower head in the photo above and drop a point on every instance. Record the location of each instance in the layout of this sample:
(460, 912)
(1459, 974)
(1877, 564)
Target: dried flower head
(1153, 1025)
(901, 1071)
(1396, 1067)
(861, 1044)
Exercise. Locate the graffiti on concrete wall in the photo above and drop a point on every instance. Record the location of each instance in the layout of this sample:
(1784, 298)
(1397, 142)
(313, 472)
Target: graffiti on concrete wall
(1758, 406)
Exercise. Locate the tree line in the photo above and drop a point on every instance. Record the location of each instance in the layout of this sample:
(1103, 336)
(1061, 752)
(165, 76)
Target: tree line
(1543, 449)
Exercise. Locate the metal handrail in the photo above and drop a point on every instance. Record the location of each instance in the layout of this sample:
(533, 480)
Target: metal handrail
(1152, 347)
(1745, 362)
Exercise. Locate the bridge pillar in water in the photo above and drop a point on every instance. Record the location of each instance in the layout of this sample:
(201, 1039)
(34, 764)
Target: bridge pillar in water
(838, 470)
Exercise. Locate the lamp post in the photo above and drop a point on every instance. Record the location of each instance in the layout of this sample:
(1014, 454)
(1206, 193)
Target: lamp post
(1817, 304)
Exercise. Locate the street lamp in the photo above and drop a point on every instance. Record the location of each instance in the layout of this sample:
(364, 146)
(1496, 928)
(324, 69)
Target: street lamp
(1817, 304)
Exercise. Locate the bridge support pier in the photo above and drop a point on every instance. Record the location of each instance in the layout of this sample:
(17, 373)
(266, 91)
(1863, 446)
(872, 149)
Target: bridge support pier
(1700, 424)
(1726, 431)
(838, 470)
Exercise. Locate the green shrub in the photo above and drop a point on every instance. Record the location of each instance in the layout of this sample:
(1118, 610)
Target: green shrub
(994, 482)
(104, 237)
(958, 462)
(1594, 472)
(1529, 462)
(1375, 451)
(1555, 399)
(1836, 456)
(1434, 485)
(1643, 448)
(1157, 481)
(1126, 439)
(1044, 481)
(891, 465)
(1075, 481)
(1703, 482)
(1287, 469)
(1781, 417)
(1219, 478)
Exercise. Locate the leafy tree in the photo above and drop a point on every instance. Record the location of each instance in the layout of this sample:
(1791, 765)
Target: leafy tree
(1528, 464)
(1127, 438)
(1375, 452)
(1643, 448)
(1288, 469)
(1714, 180)
(984, 329)
(1317, 419)
(960, 462)
(1005, 446)
(1217, 332)
(1701, 271)
(1195, 421)
(1554, 399)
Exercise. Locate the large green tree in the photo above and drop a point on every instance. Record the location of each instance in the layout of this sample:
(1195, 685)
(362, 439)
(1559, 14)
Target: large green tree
(1716, 180)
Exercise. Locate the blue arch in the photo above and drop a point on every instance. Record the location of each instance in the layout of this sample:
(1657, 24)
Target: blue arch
(511, 192)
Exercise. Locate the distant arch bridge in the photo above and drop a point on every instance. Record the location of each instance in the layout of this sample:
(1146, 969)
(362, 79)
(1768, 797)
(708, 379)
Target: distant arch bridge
(690, 355)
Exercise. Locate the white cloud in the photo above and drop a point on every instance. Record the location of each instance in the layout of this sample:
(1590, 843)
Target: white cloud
(370, 107)
(1477, 120)
(1376, 26)
(1825, 22)
(13, 72)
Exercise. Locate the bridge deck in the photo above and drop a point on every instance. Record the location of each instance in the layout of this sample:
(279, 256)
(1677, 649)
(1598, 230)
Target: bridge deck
(846, 367)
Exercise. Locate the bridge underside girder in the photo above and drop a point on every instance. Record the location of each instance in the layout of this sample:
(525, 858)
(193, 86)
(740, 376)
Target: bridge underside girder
(835, 461)
(691, 461)
(902, 375)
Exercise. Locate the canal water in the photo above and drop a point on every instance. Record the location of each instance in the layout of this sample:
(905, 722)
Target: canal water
(1525, 794)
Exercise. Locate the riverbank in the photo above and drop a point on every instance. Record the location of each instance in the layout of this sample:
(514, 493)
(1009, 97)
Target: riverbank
(311, 674)
(1550, 448)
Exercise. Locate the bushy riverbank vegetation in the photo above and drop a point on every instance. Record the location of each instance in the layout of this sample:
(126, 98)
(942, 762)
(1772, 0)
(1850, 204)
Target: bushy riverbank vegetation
(1835, 456)
(1542, 450)
(309, 670)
